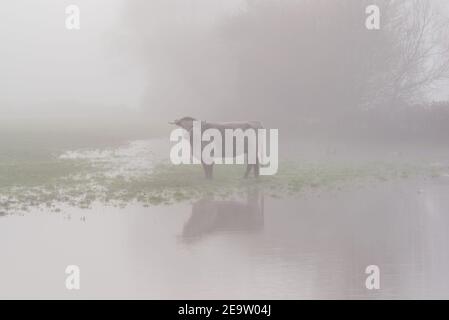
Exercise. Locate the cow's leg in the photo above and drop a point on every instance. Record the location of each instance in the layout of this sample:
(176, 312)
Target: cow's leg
(257, 168)
(248, 170)
(257, 165)
(206, 170)
(211, 171)
(248, 166)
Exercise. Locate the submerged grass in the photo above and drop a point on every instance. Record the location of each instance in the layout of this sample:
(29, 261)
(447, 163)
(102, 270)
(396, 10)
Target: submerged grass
(52, 183)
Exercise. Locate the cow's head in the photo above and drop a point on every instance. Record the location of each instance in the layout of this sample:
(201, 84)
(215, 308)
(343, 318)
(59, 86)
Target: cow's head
(185, 123)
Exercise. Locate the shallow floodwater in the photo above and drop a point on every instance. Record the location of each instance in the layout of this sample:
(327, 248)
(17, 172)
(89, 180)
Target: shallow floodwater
(316, 245)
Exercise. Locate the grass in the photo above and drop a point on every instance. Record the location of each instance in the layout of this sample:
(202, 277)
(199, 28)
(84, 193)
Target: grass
(52, 182)
(32, 175)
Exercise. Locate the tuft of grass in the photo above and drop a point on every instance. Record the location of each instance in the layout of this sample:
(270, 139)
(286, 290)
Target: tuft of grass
(52, 182)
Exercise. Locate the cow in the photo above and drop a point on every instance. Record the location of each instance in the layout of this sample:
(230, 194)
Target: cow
(187, 124)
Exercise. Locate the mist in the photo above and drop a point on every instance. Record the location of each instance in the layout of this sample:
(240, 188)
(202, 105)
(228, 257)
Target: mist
(292, 63)
(360, 116)
(42, 60)
(309, 67)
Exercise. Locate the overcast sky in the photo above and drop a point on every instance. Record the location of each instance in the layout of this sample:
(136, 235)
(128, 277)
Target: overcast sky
(41, 62)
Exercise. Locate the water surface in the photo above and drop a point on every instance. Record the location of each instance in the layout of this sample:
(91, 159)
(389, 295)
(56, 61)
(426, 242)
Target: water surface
(314, 245)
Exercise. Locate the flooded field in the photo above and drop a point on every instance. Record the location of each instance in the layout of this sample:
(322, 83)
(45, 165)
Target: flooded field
(317, 246)
(140, 228)
(349, 100)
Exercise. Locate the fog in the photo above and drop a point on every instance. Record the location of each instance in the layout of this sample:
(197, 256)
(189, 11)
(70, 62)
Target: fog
(46, 68)
(86, 176)
(289, 63)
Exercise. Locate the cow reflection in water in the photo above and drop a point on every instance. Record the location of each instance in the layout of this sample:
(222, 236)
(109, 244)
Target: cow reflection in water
(210, 216)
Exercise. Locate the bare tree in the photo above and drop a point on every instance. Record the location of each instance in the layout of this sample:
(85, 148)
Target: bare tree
(309, 59)
(420, 50)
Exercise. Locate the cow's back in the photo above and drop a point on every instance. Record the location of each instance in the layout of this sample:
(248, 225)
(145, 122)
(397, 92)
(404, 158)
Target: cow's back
(244, 125)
